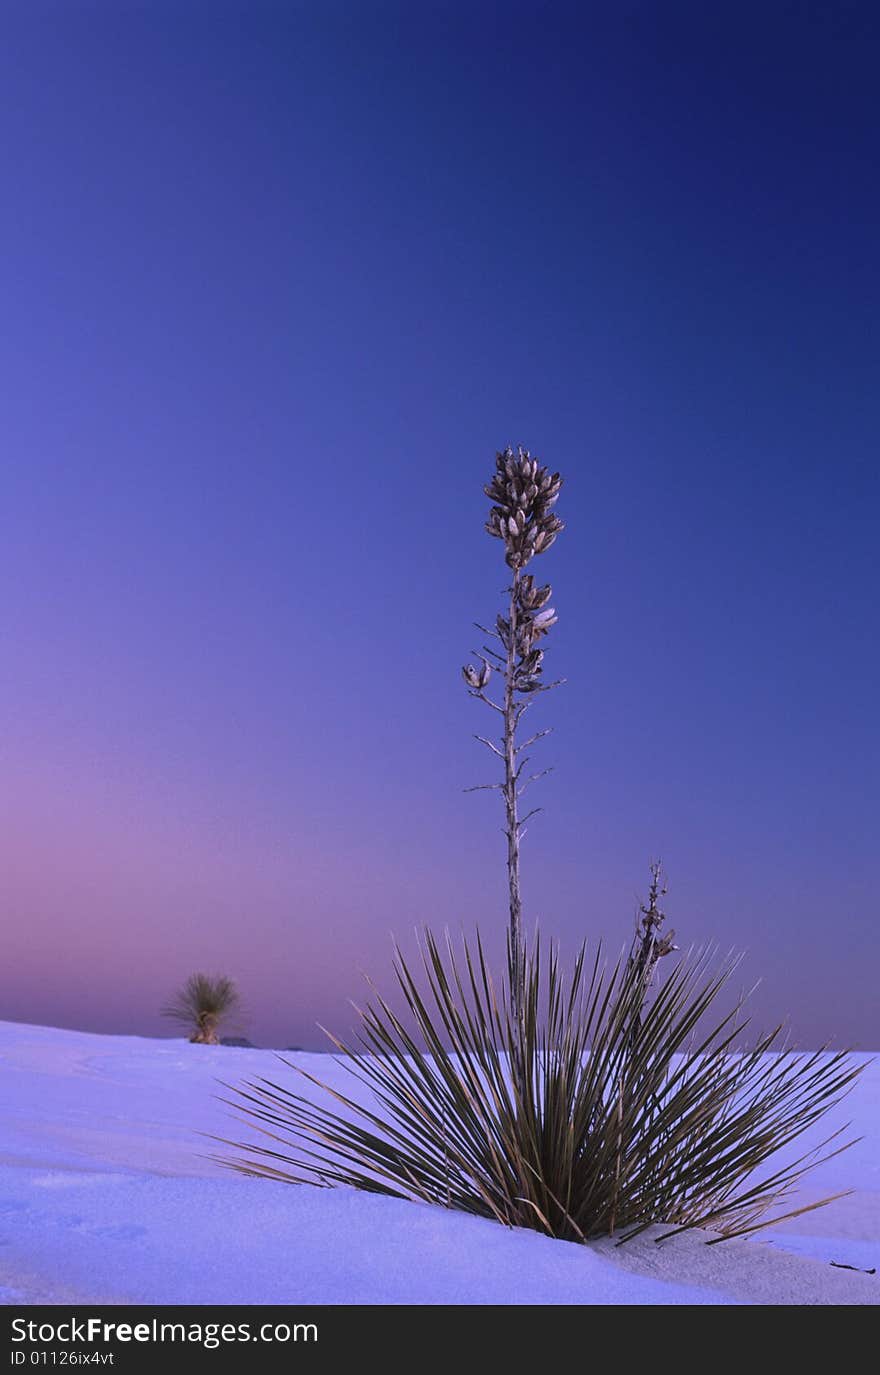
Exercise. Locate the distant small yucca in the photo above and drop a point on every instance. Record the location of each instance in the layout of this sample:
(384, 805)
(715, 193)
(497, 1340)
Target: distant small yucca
(202, 1005)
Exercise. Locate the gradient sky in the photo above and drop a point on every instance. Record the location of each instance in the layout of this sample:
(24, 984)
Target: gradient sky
(278, 280)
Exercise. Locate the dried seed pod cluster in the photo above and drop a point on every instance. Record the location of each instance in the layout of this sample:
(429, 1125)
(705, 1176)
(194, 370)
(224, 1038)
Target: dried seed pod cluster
(649, 944)
(532, 618)
(524, 492)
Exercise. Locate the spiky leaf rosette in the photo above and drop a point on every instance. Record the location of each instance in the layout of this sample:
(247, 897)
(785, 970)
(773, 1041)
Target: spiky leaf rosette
(203, 995)
(529, 1123)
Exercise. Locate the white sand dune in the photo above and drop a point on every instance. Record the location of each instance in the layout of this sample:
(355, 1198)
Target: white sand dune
(106, 1195)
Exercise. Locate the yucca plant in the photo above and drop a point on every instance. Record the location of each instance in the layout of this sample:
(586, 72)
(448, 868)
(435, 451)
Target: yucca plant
(202, 1005)
(524, 1118)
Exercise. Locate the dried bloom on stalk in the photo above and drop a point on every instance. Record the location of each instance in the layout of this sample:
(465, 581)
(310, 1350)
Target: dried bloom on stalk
(476, 678)
(524, 493)
(648, 945)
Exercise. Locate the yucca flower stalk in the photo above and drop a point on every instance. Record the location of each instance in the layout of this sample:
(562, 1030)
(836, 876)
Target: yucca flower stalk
(647, 949)
(523, 492)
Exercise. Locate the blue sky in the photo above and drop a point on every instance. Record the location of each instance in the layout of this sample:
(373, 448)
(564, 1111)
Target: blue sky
(278, 281)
